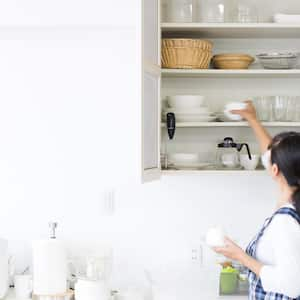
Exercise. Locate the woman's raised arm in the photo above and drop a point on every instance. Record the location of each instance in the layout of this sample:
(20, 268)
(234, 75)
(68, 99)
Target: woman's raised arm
(261, 133)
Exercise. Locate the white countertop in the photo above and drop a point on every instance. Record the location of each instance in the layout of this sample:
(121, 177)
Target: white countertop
(206, 296)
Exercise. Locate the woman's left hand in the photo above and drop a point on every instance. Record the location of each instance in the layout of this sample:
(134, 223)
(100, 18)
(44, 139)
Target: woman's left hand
(231, 250)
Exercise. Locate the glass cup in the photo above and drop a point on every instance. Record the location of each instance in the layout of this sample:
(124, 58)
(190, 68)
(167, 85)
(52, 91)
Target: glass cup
(291, 109)
(212, 11)
(297, 110)
(180, 11)
(264, 108)
(280, 108)
(244, 12)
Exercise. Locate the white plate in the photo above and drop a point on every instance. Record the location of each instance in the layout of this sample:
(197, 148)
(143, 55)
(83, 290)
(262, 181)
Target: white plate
(183, 158)
(196, 118)
(192, 118)
(189, 111)
(197, 166)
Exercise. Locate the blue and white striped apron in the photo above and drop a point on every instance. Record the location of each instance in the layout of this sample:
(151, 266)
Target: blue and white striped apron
(256, 291)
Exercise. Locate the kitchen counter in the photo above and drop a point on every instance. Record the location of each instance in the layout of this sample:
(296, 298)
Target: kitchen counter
(206, 296)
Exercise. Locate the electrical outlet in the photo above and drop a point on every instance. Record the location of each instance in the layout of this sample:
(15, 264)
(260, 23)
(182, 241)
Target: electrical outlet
(197, 254)
(108, 202)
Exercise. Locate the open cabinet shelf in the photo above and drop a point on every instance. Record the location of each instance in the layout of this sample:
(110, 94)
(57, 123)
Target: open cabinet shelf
(234, 30)
(216, 85)
(232, 124)
(212, 73)
(217, 172)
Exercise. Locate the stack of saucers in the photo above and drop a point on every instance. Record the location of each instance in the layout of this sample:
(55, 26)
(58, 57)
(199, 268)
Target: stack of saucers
(188, 108)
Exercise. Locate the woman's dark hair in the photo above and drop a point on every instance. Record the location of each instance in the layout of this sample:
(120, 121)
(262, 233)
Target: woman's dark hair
(285, 153)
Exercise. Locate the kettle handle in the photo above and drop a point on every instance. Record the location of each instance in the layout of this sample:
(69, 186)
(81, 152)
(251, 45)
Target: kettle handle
(240, 146)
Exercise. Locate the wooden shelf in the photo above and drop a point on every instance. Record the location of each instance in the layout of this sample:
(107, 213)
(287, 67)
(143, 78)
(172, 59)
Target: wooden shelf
(232, 124)
(234, 30)
(212, 73)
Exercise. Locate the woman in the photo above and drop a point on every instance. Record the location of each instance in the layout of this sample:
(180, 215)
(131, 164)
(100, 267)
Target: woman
(273, 257)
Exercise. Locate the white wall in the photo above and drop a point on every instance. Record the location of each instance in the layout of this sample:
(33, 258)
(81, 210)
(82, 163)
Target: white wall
(62, 93)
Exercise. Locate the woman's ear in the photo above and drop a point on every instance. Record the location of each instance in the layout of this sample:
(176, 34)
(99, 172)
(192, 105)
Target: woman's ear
(274, 170)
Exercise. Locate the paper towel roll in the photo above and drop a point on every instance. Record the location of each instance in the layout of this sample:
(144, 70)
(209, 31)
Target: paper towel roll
(49, 267)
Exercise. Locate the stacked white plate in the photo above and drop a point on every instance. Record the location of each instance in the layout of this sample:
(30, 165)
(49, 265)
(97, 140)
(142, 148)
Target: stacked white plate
(286, 18)
(188, 108)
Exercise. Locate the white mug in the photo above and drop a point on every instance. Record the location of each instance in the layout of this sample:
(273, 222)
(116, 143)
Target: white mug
(23, 286)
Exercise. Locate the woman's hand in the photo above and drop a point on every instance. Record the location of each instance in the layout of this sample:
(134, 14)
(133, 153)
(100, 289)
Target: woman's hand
(231, 250)
(249, 113)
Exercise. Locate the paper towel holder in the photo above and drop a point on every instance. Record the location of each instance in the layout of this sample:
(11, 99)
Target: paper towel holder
(53, 226)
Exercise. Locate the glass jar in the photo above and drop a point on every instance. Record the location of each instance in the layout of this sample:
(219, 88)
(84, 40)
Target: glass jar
(244, 11)
(212, 11)
(180, 11)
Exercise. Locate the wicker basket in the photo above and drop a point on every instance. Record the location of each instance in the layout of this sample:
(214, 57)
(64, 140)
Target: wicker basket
(186, 53)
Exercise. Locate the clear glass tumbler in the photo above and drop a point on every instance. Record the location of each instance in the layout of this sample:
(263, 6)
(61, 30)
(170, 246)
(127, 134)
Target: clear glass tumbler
(297, 109)
(264, 107)
(291, 109)
(280, 108)
(180, 11)
(244, 12)
(212, 11)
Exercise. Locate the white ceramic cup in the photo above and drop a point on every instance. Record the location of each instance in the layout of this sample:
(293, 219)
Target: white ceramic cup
(23, 286)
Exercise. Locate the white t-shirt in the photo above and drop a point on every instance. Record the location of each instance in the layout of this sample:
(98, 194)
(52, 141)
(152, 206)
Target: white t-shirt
(279, 251)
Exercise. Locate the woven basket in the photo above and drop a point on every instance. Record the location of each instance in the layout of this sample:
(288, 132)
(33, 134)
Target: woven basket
(186, 53)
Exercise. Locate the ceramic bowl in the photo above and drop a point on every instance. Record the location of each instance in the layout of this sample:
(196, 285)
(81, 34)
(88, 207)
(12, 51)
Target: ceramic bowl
(183, 159)
(232, 61)
(248, 164)
(185, 101)
(234, 106)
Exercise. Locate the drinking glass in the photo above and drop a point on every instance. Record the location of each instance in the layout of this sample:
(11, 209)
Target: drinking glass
(180, 11)
(212, 11)
(244, 12)
(291, 109)
(279, 108)
(264, 108)
(297, 110)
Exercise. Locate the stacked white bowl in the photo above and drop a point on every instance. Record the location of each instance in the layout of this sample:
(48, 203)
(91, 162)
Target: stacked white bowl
(188, 108)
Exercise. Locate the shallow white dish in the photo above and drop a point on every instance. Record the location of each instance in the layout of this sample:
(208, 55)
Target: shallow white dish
(195, 118)
(189, 111)
(234, 106)
(183, 159)
(185, 101)
(278, 60)
(192, 117)
(286, 18)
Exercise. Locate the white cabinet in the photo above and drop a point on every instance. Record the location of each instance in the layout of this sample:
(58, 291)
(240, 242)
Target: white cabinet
(218, 86)
(151, 91)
